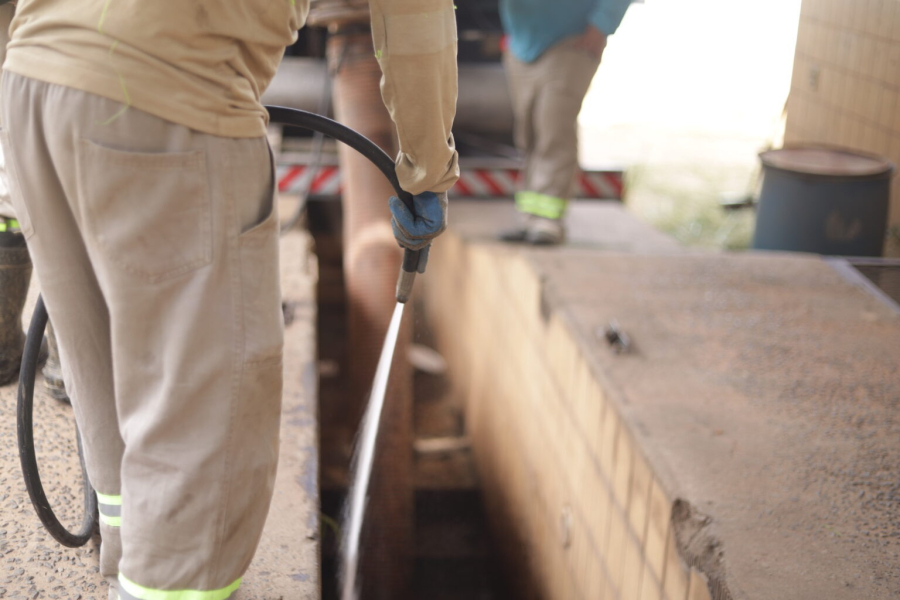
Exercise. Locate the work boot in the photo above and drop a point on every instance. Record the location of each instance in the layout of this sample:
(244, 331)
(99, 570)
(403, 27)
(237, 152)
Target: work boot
(15, 275)
(545, 232)
(52, 371)
(518, 232)
(538, 231)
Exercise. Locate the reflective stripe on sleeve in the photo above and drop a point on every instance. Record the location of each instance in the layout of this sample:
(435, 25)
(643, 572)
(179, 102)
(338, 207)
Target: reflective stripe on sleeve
(129, 590)
(110, 509)
(541, 205)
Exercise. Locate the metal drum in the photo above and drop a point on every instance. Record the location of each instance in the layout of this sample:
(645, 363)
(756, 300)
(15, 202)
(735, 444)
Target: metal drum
(823, 200)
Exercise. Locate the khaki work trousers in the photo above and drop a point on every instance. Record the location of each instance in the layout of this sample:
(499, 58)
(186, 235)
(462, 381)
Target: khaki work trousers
(156, 248)
(547, 95)
(6, 14)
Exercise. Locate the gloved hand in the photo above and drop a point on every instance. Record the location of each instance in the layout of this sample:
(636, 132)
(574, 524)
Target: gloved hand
(415, 231)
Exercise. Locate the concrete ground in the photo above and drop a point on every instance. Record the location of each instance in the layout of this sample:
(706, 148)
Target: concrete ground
(286, 566)
(605, 226)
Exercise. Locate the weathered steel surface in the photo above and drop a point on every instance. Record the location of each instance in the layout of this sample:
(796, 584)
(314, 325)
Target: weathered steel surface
(371, 262)
(744, 447)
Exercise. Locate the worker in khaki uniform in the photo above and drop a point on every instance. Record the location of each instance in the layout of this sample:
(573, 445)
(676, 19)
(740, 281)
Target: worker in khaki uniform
(15, 263)
(143, 182)
(553, 51)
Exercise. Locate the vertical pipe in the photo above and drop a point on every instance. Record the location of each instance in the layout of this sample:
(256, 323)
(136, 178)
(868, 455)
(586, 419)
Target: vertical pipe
(371, 262)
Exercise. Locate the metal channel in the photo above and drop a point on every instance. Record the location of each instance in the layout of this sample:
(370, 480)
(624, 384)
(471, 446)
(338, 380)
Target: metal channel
(878, 276)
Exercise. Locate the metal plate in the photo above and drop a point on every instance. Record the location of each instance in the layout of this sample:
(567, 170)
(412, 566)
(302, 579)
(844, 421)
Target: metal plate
(885, 276)
(879, 276)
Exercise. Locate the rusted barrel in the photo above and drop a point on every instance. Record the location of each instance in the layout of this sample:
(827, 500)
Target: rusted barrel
(823, 200)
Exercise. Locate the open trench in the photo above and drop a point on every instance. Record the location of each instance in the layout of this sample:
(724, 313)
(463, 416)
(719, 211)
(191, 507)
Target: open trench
(423, 533)
(449, 553)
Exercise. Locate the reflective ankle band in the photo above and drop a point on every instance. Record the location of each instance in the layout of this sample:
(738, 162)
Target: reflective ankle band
(541, 205)
(8, 225)
(110, 509)
(129, 590)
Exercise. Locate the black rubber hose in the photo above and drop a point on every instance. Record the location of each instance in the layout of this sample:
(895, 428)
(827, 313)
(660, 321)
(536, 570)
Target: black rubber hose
(30, 358)
(318, 145)
(360, 143)
(342, 133)
(27, 456)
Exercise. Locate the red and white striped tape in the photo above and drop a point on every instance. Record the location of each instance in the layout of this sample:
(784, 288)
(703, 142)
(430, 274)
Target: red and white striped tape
(473, 183)
(326, 180)
(602, 185)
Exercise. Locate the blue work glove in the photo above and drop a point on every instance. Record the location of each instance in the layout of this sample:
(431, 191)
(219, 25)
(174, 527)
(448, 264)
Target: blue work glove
(415, 231)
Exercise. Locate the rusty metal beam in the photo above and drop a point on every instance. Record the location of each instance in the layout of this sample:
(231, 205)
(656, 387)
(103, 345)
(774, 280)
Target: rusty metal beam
(371, 262)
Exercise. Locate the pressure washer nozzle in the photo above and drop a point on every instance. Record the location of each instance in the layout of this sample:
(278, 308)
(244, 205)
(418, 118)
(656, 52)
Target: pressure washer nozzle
(407, 278)
(405, 285)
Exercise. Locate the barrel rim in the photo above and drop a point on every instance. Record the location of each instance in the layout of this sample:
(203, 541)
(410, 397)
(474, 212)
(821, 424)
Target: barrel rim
(885, 170)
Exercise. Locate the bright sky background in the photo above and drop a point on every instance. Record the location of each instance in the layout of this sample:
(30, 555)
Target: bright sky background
(683, 73)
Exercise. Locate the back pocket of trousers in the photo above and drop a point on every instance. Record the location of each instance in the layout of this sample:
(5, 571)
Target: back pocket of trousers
(261, 293)
(149, 213)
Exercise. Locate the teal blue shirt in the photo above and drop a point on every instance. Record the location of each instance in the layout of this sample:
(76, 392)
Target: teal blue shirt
(535, 25)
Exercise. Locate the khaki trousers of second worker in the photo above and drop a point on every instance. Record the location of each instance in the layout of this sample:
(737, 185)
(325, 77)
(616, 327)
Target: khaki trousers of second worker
(547, 95)
(6, 14)
(156, 248)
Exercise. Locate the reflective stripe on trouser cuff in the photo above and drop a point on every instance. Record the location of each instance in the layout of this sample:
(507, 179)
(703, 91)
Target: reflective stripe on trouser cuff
(129, 590)
(541, 205)
(8, 224)
(110, 509)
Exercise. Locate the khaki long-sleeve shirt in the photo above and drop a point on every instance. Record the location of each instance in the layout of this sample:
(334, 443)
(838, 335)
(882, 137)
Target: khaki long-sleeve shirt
(205, 64)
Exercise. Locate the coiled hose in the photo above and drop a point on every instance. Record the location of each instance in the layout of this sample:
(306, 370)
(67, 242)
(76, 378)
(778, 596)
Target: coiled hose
(27, 456)
(28, 371)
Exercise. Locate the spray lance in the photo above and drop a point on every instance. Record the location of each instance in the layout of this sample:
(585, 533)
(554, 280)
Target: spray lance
(408, 270)
(27, 374)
